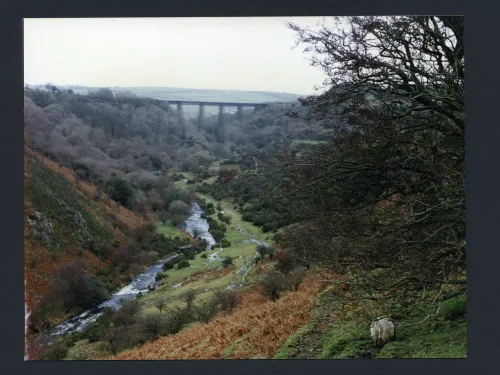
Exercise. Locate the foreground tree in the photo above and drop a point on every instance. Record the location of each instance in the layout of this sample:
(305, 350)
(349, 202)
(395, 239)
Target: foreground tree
(388, 192)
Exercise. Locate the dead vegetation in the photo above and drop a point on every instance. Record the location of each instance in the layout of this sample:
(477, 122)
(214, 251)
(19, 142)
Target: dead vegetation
(258, 327)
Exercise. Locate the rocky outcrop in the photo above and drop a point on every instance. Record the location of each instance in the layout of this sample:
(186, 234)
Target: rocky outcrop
(40, 227)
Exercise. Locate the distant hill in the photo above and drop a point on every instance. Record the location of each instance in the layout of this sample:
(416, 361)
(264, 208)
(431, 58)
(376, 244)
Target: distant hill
(211, 95)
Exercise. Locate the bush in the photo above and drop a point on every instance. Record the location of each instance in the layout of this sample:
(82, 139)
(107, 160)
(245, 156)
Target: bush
(294, 279)
(168, 265)
(183, 264)
(190, 255)
(119, 190)
(151, 325)
(177, 177)
(160, 304)
(175, 320)
(207, 311)
(226, 219)
(227, 261)
(72, 287)
(98, 248)
(94, 332)
(269, 227)
(226, 299)
(218, 235)
(454, 308)
(161, 276)
(145, 231)
(264, 250)
(56, 352)
(225, 243)
(126, 337)
(273, 284)
(286, 261)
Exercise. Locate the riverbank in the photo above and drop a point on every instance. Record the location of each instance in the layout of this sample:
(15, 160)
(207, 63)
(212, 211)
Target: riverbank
(206, 272)
(205, 275)
(139, 284)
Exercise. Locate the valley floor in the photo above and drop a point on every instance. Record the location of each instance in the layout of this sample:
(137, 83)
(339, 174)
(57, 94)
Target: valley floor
(315, 322)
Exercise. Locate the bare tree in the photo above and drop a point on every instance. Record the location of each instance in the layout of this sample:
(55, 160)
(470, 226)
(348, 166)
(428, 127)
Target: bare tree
(388, 193)
(160, 304)
(189, 297)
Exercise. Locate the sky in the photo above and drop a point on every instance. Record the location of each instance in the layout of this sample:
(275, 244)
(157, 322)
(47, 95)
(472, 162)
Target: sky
(254, 54)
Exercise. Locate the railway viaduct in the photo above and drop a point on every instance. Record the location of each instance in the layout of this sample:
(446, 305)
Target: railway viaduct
(221, 105)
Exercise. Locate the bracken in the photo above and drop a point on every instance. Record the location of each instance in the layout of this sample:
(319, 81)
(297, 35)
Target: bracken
(261, 325)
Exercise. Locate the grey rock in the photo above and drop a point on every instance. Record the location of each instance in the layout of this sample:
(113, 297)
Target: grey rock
(40, 226)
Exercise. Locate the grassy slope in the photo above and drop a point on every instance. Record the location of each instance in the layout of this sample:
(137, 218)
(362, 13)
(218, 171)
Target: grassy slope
(212, 95)
(336, 332)
(255, 329)
(170, 230)
(46, 180)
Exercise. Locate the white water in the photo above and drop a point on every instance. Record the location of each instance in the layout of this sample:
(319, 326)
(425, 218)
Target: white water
(140, 283)
(196, 222)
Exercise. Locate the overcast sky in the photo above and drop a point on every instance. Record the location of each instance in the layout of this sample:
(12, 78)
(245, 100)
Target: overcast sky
(206, 53)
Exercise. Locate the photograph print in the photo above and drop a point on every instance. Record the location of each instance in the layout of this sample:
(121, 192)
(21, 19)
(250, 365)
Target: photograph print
(244, 188)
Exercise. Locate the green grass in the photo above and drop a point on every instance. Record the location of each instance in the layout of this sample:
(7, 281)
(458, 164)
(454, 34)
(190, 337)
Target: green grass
(229, 352)
(170, 230)
(289, 347)
(445, 339)
(236, 220)
(344, 340)
(46, 189)
(175, 295)
(82, 350)
(442, 336)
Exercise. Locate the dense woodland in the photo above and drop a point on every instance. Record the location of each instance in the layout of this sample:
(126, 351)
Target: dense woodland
(364, 181)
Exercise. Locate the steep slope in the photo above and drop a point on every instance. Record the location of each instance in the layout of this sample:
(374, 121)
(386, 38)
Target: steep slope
(256, 329)
(66, 220)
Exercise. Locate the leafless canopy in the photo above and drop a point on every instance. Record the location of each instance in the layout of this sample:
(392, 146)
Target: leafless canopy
(388, 193)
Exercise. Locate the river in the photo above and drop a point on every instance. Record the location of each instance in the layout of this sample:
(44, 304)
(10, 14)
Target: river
(140, 282)
(196, 222)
